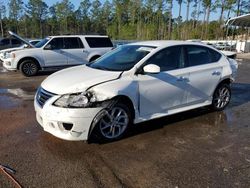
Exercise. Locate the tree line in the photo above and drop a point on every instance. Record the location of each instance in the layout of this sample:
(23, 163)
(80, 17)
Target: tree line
(121, 19)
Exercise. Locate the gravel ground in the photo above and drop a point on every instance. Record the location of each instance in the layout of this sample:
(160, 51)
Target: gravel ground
(198, 148)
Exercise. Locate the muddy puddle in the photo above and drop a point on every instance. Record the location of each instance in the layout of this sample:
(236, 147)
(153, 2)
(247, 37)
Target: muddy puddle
(10, 98)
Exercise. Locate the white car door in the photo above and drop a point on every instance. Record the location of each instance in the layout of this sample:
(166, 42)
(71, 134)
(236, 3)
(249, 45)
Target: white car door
(204, 73)
(166, 90)
(54, 54)
(74, 49)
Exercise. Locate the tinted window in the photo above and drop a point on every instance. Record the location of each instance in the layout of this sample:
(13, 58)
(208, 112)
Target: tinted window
(168, 59)
(15, 41)
(34, 42)
(5, 41)
(197, 55)
(214, 56)
(56, 43)
(99, 42)
(72, 43)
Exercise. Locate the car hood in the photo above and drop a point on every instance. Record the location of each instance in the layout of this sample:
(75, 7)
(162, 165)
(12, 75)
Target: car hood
(77, 79)
(21, 39)
(8, 50)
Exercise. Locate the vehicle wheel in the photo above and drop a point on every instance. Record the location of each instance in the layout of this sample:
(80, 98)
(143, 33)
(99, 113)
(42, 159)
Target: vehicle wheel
(29, 68)
(221, 98)
(114, 124)
(93, 58)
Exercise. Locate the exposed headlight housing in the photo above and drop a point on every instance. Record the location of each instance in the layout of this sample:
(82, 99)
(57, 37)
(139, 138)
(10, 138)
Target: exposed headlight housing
(76, 100)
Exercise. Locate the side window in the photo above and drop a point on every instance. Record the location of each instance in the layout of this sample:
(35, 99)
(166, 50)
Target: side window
(72, 43)
(15, 41)
(5, 41)
(56, 43)
(168, 59)
(214, 56)
(99, 42)
(197, 55)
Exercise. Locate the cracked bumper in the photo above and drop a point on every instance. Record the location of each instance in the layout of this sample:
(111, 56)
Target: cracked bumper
(52, 119)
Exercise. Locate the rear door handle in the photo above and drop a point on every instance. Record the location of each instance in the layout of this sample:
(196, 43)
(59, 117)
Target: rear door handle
(183, 79)
(216, 73)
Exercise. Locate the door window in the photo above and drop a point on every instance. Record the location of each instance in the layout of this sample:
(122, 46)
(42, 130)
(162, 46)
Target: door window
(56, 43)
(197, 55)
(72, 43)
(168, 59)
(15, 41)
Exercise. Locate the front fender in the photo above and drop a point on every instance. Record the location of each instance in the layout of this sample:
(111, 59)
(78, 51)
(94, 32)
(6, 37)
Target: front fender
(120, 87)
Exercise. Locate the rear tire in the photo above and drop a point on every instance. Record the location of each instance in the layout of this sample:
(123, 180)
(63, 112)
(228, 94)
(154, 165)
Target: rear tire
(29, 67)
(221, 97)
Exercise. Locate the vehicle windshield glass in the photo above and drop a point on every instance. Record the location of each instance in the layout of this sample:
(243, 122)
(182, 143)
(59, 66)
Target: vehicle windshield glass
(122, 58)
(42, 42)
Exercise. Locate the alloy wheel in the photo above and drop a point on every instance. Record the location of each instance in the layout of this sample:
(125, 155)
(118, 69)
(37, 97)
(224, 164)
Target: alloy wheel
(29, 68)
(114, 123)
(222, 97)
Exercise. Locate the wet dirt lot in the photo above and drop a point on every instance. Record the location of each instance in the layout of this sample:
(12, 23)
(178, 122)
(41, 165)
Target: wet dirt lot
(198, 148)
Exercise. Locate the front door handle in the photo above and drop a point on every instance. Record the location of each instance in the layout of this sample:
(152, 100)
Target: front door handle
(216, 73)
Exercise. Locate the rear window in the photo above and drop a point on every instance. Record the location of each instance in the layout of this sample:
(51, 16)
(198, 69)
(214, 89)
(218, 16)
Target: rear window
(197, 55)
(99, 42)
(72, 43)
(214, 56)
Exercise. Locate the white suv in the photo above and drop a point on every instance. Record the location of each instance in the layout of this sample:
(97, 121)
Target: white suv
(131, 84)
(56, 52)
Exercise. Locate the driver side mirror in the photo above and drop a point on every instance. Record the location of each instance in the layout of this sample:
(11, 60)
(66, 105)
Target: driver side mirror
(48, 47)
(152, 69)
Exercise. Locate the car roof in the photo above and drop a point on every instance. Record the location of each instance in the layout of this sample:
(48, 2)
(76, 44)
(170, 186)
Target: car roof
(79, 36)
(165, 43)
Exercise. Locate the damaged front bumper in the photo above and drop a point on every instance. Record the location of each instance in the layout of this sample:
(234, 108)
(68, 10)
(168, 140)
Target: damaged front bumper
(65, 123)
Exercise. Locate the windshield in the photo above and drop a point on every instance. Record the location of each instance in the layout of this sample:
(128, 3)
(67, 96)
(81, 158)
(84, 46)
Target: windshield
(42, 42)
(122, 58)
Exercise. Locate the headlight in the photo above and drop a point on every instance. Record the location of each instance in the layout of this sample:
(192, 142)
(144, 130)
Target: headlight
(76, 100)
(4, 55)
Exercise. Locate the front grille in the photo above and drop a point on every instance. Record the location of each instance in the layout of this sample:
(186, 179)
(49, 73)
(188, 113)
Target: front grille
(42, 96)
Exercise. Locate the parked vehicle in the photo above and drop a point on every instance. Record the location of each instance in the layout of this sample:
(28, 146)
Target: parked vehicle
(224, 46)
(55, 52)
(131, 84)
(9, 43)
(4, 53)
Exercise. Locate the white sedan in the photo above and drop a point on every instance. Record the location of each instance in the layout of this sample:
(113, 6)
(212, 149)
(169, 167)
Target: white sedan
(131, 84)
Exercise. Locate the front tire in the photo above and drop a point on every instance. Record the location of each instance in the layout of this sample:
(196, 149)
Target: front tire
(114, 123)
(29, 68)
(221, 97)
